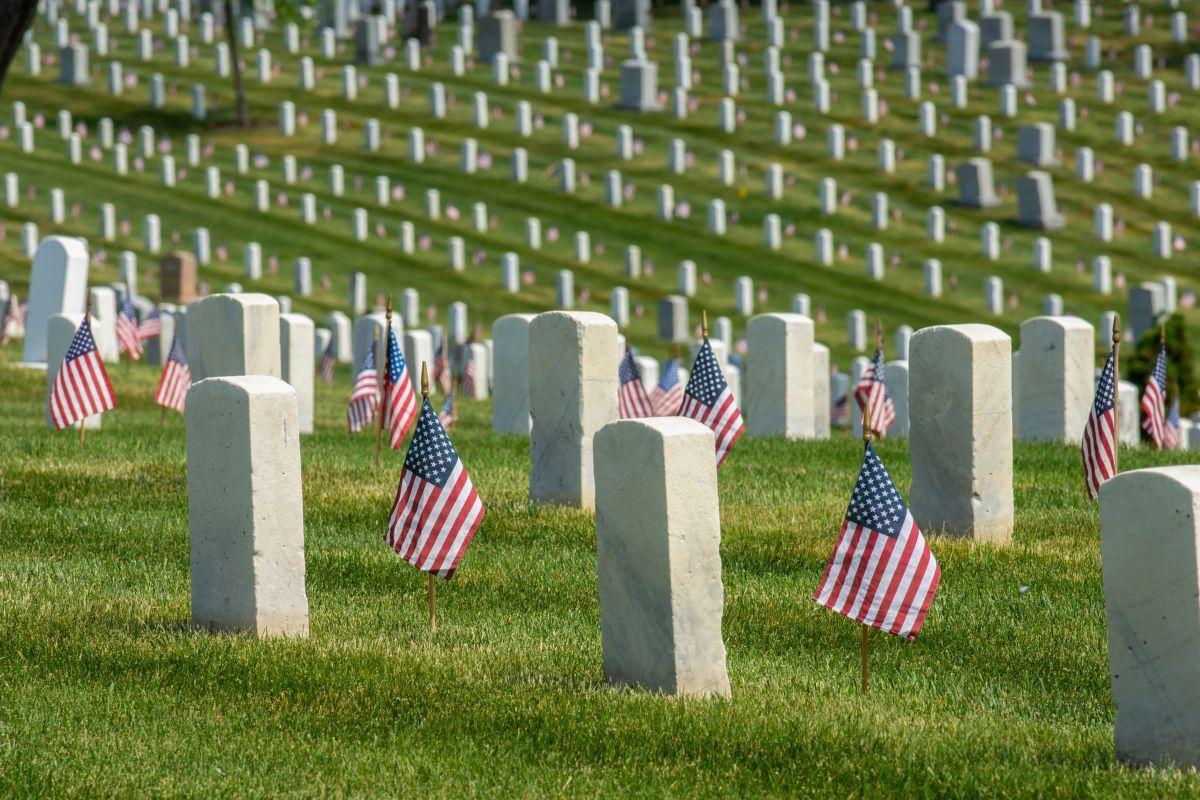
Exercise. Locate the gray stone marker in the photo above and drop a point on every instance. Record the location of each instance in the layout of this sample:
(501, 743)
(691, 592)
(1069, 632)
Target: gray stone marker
(554, 12)
(1036, 207)
(510, 395)
(572, 394)
(296, 360)
(1006, 64)
(57, 285)
(962, 50)
(245, 506)
(1146, 302)
(822, 407)
(1128, 413)
(418, 348)
(975, 185)
(233, 334)
(1056, 378)
(1150, 548)
(960, 431)
(673, 319)
(59, 331)
(780, 365)
(639, 85)
(632, 14)
(368, 329)
(658, 537)
(995, 26)
(104, 323)
(1047, 41)
(1035, 144)
(343, 343)
(497, 33)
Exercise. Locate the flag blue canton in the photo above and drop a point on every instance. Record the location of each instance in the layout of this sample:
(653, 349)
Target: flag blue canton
(706, 381)
(670, 377)
(176, 353)
(876, 504)
(127, 309)
(430, 457)
(1106, 389)
(82, 342)
(879, 374)
(395, 358)
(368, 361)
(629, 370)
(1173, 417)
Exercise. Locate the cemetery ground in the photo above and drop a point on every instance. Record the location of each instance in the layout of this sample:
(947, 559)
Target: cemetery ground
(105, 689)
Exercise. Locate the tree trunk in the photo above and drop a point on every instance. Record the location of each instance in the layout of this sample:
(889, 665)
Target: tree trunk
(15, 18)
(231, 35)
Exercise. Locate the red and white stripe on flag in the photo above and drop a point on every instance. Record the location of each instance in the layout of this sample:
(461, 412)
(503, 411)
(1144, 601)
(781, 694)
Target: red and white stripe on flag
(1154, 402)
(128, 340)
(871, 393)
(632, 400)
(175, 380)
(882, 573)
(401, 409)
(81, 387)
(1099, 445)
(437, 510)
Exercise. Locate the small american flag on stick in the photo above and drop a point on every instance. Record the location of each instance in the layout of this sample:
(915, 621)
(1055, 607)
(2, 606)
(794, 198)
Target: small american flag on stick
(668, 394)
(364, 397)
(328, 359)
(632, 401)
(448, 416)
(871, 393)
(437, 510)
(151, 326)
(708, 400)
(1154, 400)
(128, 340)
(81, 387)
(1099, 446)
(175, 380)
(882, 574)
(400, 402)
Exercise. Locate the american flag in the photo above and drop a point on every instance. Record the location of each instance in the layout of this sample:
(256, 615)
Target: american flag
(467, 384)
(708, 400)
(441, 368)
(448, 416)
(1171, 430)
(151, 326)
(882, 573)
(1100, 433)
(81, 386)
(437, 510)
(668, 394)
(1154, 400)
(873, 398)
(400, 403)
(175, 380)
(127, 330)
(328, 359)
(632, 401)
(364, 397)
(12, 315)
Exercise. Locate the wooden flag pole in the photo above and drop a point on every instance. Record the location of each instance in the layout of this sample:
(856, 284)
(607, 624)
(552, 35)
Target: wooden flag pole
(879, 333)
(865, 628)
(384, 371)
(1116, 343)
(431, 590)
(703, 323)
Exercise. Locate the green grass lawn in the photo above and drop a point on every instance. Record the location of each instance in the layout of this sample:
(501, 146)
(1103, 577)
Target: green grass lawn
(105, 690)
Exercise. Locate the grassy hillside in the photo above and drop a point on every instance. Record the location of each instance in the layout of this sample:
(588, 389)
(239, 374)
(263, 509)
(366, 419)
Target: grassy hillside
(835, 290)
(105, 691)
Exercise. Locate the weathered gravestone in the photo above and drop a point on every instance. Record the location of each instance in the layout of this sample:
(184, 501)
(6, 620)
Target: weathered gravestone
(418, 349)
(1150, 549)
(369, 331)
(639, 85)
(233, 334)
(296, 361)
(960, 431)
(245, 506)
(658, 536)
(510, 402)
(59, 331)
(177, 277)
(57, 285)
(572, 394)
(975, 186)
(1036, 207)
(1056, 383)
(780, 365)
